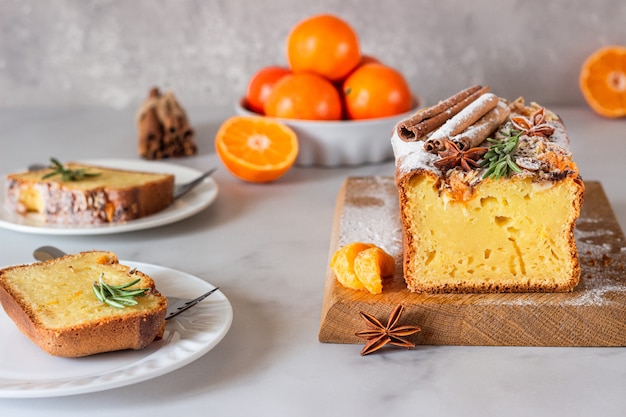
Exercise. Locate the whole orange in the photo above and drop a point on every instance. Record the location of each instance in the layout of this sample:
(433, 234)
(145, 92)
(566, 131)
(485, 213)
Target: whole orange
(368, 59)
(260, 86)
(375, 90)
(324, 44)
(304, 96)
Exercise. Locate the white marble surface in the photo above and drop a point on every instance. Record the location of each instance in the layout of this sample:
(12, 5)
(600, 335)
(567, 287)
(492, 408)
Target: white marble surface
(266, 246)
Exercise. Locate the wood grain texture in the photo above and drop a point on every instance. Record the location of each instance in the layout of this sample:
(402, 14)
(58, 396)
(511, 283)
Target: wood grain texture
(594, 314)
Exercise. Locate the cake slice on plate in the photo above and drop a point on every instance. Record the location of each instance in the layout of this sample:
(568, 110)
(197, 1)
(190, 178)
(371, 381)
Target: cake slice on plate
(79, 194)
(55, 304)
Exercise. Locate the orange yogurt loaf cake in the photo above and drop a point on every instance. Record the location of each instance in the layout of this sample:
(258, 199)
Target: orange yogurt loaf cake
(54, 304)
(489, 195)
(95, 195)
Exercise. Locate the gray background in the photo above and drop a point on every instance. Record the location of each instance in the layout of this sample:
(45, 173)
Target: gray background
(110, 52)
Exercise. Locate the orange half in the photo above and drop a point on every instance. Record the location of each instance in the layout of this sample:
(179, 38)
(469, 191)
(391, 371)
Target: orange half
(256, 149)
(603, 81)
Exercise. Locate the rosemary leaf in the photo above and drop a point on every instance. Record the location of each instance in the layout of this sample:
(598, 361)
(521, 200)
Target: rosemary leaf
(124, 301)
(134, 293)
(113, 303)
(97, 292)
(121, 287)
(67, 174)
(512, 165)
(498, 160)
(117, 295)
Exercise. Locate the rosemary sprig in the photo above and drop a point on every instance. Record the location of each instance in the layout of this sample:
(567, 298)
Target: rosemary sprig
(117, 295)
(68, 174)
(498, 158)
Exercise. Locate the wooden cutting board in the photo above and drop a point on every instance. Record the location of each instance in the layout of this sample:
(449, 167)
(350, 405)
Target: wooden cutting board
(594, 314)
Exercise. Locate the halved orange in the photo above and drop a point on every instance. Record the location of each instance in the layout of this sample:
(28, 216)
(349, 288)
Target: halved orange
(603, 81)
(256, 149)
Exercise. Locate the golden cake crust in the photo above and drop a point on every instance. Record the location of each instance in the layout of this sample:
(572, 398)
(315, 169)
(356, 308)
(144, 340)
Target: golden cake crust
(111, 197)
(111, 330)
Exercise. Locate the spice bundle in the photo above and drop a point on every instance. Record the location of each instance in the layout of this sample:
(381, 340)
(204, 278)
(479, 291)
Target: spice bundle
(164, 130)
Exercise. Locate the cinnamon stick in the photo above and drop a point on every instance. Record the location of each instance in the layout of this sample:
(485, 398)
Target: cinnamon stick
(462, 120)
(149, 126)
(435, 145)
(483, 128)
(431, 118)
(164, 130)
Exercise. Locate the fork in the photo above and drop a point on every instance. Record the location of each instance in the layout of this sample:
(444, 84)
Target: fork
(175, 305)
(182, 189)
(179, 189)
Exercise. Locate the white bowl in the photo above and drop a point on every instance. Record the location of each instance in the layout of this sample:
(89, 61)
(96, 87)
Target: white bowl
(341, 142)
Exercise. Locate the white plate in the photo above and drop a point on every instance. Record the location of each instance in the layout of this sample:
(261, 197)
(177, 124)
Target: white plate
(28, 372)
(194, 202)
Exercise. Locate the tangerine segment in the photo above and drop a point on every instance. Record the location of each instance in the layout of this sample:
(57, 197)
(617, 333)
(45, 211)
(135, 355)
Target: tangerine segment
(371, 265)
(256, 149)
(603, 81)
(342, 264)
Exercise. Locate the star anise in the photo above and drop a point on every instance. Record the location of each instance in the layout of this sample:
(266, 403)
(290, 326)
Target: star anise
(378, 335)
(452, 156)
(535, 126)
